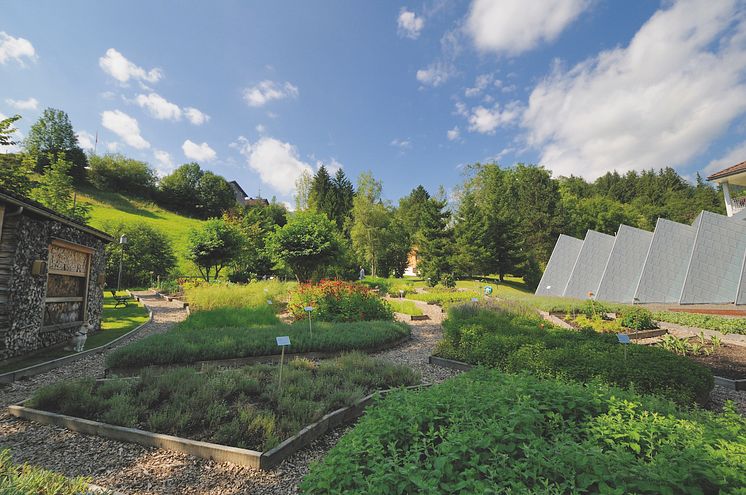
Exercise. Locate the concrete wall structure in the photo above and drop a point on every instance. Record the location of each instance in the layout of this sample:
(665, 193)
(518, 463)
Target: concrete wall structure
(625, 265)
(590, 265)
(666, 263)
(716, 262)
(558, 271)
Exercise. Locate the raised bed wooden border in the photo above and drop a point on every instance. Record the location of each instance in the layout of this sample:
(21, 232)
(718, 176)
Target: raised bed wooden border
(730, 383)
(36, 369)
(242, 361)
(206, 450)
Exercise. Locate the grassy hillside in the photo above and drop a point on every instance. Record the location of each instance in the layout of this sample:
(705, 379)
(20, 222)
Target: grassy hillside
(109, 207)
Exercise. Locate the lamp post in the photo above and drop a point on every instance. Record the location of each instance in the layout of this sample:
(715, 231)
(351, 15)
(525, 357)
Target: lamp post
(122, 242)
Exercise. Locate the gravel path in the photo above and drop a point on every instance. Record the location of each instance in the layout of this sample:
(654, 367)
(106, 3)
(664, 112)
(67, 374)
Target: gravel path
(132, 469)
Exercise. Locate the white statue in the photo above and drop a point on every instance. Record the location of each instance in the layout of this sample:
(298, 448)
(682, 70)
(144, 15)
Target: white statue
(80, 337)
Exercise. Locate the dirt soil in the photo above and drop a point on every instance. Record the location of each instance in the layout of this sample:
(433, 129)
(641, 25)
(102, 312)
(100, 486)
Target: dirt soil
(729, 361)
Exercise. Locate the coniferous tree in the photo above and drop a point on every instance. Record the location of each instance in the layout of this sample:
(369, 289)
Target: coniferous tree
(471, 256)
(341, 203)
(321, 194)
(435, 242)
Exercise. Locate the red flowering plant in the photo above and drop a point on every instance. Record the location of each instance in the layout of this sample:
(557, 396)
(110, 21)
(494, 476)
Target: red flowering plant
(335, 300)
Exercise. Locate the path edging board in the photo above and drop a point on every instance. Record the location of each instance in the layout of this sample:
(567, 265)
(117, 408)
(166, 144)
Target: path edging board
(206, 450)
(238, 362)
(36, 369)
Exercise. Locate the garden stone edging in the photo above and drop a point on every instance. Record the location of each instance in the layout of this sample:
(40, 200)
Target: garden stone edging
(36, 369)
(238, 362)
(206, 450)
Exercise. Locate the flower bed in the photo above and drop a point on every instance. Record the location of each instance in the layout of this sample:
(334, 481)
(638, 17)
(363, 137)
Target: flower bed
(489, 432)
(405, 307)
(202, 296)
(444, 297)
(514, 338)
(338, 301)
(240, 407)
(196, 339)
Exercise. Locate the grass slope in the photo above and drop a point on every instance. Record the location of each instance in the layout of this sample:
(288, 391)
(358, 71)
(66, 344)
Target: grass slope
(110, 207)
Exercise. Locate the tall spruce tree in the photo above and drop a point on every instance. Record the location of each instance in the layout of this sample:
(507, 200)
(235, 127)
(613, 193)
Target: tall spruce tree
(435, 242)
(471, 256)
(342, 199)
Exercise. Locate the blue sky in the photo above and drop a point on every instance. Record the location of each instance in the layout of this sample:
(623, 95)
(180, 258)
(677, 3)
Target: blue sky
(260, 91)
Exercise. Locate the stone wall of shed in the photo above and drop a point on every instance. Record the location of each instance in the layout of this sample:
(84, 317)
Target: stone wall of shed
(27, 292)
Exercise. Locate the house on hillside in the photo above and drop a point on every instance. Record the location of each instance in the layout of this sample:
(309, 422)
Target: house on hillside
(699, 263)
(243, 199)
(52, 271)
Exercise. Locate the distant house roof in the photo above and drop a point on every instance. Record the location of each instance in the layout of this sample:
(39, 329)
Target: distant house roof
(735, 169)
(238, 188)
(35, 207)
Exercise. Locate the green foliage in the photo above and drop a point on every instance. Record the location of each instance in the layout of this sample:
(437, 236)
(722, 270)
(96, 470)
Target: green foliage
(636, 318)
(255, 222)
(52, 137)
(206, 297)
(148, 254)
(334, 300)
(7, 130)
(116, 172)
(213, 246)
(196, 192)
(722, 324)
(444, 297)
(26, 479)
(239, 407)
(489, 432)
(15, 173)
(200, 339)
(55, 190)
(448, 281)
(512, 338)
(306, 243)
(435, 241)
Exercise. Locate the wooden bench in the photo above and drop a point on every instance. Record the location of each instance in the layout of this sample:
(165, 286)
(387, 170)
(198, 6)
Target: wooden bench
(123, 300)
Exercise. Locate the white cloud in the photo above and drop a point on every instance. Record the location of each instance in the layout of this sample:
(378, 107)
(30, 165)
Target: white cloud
(158, 107)
(195, 116)
(516, 26)
(112, 147)
(27, 104)
(86, 140)
(277, 163)
(332, 166)
(261, 129)
(15, 49)
(733, 156)
(409, 24)
(266, 91)
(435, 74)
(480, 84)
(453, 134)
(486, 120)
(659, 101)
(198, 152)
(121, 69)
(165, 162)
(125, 127)
(401, 143)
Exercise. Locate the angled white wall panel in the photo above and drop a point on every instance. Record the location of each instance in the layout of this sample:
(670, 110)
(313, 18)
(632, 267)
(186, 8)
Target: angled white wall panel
(741, 295)
(590, 265)
(625, 264)
(561, 262)
(716, 261)
(666, 263)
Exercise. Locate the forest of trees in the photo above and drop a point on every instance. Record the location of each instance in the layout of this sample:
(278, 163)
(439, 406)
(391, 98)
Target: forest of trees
(499, 220)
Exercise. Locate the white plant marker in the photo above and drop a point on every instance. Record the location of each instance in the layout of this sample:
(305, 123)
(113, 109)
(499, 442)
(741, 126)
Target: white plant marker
(308, 310)
(624, 340)
(282, 342)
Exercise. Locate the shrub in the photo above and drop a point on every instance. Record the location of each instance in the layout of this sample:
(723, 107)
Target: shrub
(382, 284)
(512, 338)
(115, 172)
(448, 281)
(238, 407)
(636, 318)
(721, 324)
(338, 301)
(488, 432)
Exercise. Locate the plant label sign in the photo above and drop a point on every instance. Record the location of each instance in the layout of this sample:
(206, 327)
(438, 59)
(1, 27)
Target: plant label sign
(308, 308)
(487, 290)
(623, 338)
(474, 299)
(282, 341)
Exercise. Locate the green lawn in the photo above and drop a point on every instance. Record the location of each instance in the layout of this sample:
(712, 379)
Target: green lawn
(110, 207)
(405, 307)
(114, 323)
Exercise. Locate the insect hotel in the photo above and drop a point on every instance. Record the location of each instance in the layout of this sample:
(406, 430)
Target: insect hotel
(51, 276)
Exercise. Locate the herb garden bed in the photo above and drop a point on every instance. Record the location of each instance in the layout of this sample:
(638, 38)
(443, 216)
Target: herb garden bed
(239, 416)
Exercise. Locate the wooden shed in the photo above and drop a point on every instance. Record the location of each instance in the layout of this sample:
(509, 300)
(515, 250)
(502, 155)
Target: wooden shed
(52, 271)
